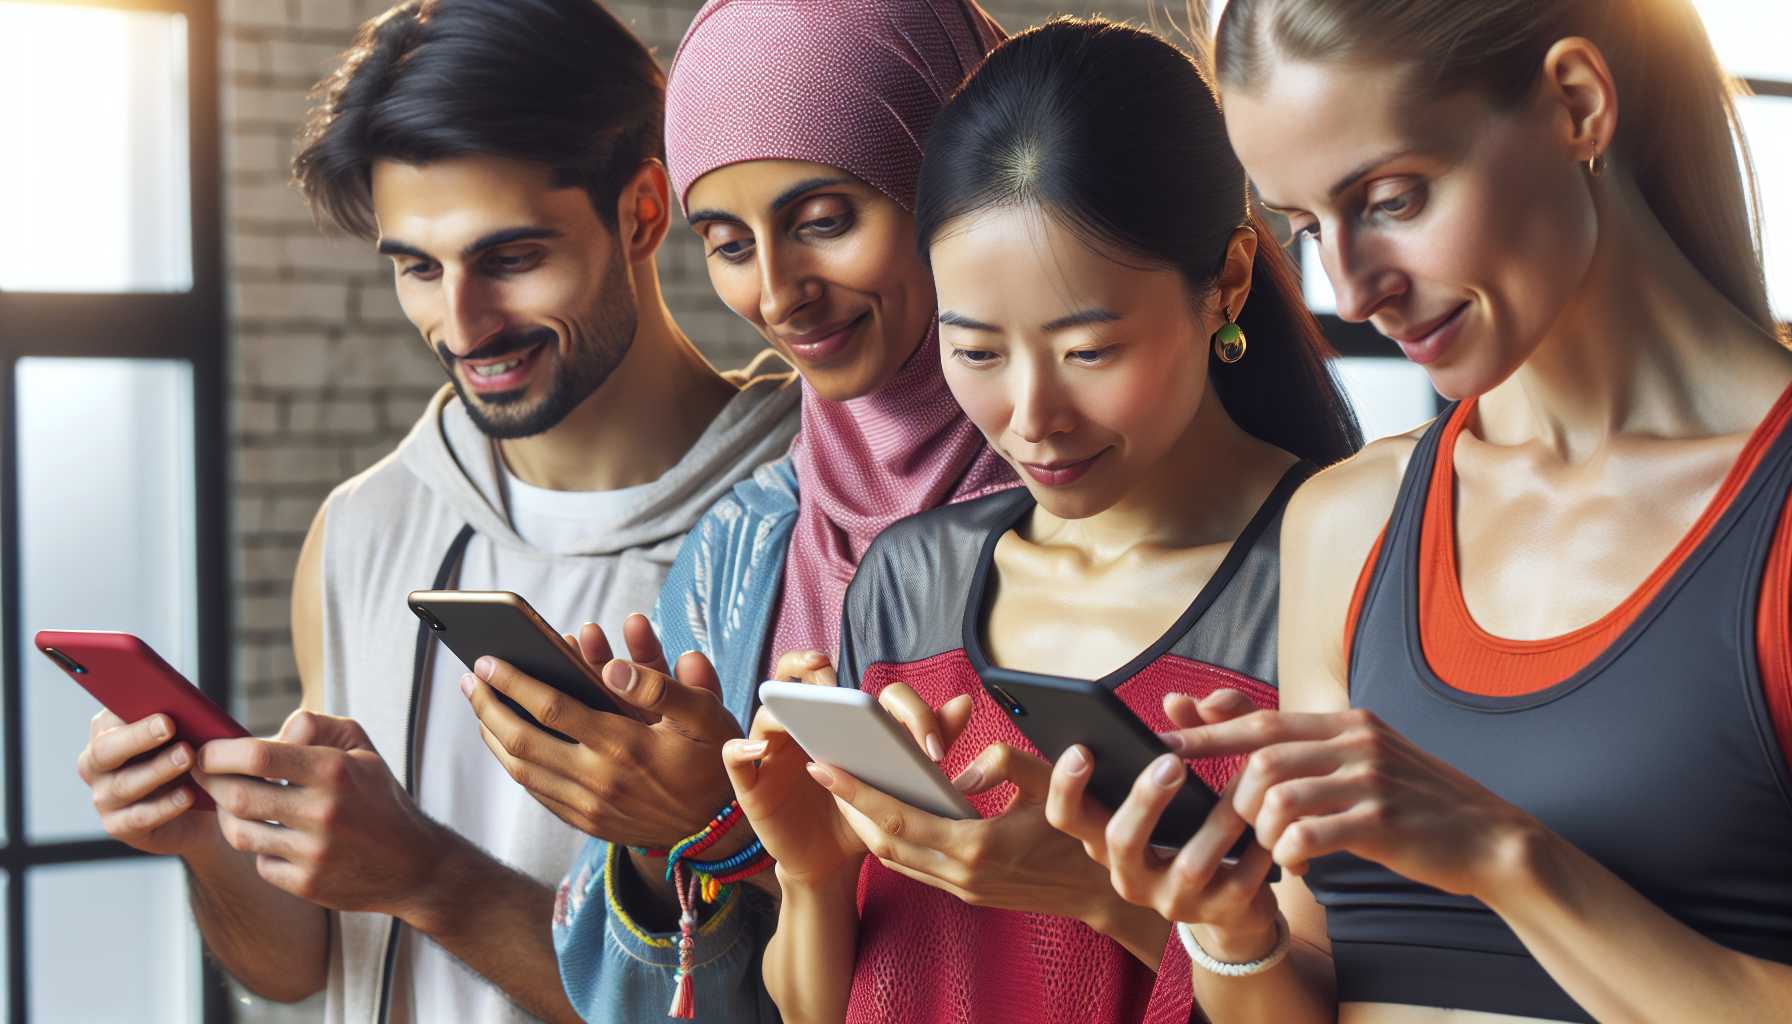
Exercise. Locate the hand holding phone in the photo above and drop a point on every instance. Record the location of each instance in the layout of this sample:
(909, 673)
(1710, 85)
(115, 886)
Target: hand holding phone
(850, 730)
(476, 623)
(144, 692)
(795, 817)
(1200, 885)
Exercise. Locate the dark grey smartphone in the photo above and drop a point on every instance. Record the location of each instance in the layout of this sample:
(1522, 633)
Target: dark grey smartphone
(475, 623)
(1054, 712)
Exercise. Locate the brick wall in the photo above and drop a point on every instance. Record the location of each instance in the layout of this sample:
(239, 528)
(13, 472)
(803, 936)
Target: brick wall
(327, 375)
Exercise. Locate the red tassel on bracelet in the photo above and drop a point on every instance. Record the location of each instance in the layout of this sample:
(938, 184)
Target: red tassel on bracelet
(684, 999)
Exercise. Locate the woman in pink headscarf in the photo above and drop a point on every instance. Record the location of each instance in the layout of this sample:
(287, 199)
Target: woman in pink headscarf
(794, 135)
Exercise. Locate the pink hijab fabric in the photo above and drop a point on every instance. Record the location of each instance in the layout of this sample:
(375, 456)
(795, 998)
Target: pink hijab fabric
(853, 84)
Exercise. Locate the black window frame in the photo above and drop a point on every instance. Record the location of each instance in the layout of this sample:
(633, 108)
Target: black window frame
(189, 326)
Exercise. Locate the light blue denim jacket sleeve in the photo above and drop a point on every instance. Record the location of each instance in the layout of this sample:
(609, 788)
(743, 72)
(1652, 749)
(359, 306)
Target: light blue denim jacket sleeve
(718, 599)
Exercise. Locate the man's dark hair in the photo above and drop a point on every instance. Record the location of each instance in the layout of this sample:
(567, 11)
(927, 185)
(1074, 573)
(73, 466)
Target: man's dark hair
(555, 82)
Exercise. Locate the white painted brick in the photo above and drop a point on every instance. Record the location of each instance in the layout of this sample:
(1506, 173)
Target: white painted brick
(286, 360)
(313, 251)
(376, 305)
(399, 411)
(274, 201)
(291, 464)
(291, 300)
(254, 153)
(709, 328)
(239, 55)
(263, 713)
(646, 21)
(365, 455)
(266, 105)
(264, 613)
(395, 360)
(259, 13)
(345, 416)
(254, 416)
(294, 513)
(265, 563)
(342, 15)
(249, 514)
(255, 252)
(309, 62)
(681, 256)
(245, 666)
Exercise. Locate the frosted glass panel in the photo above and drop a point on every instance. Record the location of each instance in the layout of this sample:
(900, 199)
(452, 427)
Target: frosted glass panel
(111, 941)
(94, 189)
(1750, 36)
(1767, 124)
(1391, 395)
(4, 838)
(1314, 285)
(106, 494)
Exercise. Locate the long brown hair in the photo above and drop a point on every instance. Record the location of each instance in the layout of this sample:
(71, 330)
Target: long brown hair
(1678, 134)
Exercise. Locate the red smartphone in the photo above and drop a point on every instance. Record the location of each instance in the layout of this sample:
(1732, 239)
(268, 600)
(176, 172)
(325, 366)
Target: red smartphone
(133, 682)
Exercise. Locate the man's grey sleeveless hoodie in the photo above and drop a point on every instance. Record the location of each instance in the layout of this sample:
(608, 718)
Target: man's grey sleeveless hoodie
(386, 532)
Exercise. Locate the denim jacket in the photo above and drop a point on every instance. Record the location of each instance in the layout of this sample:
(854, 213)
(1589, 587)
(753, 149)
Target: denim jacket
(718, 598)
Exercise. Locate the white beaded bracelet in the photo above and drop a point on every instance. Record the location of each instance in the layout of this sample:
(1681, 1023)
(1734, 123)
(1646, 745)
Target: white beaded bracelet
(1244, 970)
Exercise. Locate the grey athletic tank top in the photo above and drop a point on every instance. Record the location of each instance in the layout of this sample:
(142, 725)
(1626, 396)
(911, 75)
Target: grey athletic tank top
(1658, 759)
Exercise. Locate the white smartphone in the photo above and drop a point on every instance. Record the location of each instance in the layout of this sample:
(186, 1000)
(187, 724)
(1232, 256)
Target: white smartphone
(849, 729)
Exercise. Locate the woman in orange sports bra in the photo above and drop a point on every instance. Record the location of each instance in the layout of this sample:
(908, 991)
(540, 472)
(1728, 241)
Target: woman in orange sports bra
(1532, 756)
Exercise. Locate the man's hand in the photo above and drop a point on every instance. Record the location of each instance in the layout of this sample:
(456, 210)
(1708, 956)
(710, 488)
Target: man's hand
(624, 781)
(139, 784)
(341, 832)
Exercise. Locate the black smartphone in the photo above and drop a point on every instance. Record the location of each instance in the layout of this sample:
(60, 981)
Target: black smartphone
(475, 623)
(1054, 712)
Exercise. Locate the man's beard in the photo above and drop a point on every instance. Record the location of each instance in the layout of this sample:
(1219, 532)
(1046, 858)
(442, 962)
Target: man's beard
(593, 355)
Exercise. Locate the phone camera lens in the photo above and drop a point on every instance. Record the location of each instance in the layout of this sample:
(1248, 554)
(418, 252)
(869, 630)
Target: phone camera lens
(68, 663)
(1015, 707)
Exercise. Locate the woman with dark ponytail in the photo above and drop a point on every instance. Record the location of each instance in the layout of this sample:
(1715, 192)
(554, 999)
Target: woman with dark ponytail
(1534, 755)
(1122, 329)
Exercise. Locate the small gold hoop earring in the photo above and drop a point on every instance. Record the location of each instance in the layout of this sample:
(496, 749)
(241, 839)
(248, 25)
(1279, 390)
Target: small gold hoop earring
(1596, 164)
(1229, 341)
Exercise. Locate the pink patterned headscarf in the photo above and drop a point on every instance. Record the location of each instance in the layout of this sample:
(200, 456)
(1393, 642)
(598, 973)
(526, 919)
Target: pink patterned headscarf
(853, 84)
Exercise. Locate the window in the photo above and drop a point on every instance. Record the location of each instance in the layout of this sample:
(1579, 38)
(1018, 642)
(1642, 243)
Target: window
(103, 206)
(111, 470)
(1749, 38)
